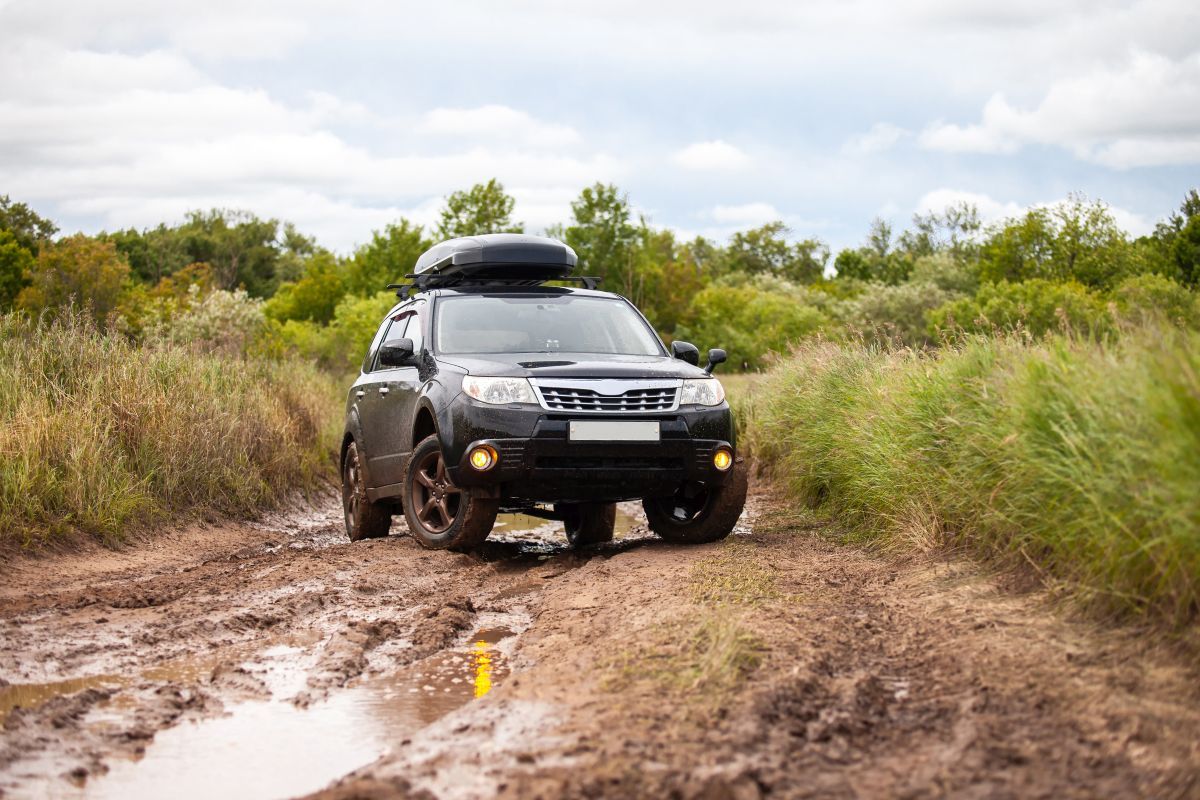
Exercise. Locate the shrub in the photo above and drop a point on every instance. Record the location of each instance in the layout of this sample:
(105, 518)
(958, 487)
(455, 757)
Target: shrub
(748, 322)
(1143, 297)
(1037, 306)
(897, 312)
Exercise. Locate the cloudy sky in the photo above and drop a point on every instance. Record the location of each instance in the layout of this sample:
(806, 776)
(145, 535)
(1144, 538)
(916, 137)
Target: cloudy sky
(342, 116)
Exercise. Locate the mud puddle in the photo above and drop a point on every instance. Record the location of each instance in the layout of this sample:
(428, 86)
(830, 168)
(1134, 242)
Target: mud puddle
(537, 534)
(273, 747)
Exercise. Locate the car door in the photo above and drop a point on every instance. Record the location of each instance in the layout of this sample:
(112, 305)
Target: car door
(396, 401)
(367, 400)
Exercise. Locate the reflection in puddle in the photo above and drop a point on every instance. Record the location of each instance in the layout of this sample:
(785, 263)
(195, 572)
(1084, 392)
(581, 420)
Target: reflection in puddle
(524, 526)
(274, 749)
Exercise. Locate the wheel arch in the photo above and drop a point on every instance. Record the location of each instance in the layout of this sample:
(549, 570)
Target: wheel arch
(424, 424)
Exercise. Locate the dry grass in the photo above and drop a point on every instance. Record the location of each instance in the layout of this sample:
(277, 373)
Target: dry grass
(100, 436)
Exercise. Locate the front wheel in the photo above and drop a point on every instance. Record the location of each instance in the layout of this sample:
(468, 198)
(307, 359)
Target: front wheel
(440, 515)
(696, 513)
(364, 519)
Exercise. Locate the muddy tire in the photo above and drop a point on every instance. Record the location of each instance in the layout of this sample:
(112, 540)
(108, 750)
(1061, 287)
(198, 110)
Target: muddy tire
(588, 523)
(440, 515)
(694, 514)
(364, 519)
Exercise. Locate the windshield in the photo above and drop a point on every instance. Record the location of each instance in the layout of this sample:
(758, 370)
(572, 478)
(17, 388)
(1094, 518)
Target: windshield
(543, 324)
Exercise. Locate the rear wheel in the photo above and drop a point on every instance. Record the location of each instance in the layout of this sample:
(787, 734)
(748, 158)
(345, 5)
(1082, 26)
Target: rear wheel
(697, 513)
(440, 515)
(364, 519)
(588, 523)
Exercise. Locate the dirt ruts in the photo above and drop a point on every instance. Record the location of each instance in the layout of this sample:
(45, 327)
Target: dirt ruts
(776, 663)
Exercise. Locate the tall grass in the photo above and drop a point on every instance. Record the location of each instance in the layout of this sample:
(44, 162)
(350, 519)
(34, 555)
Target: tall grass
(1077, 457)
(99, 435)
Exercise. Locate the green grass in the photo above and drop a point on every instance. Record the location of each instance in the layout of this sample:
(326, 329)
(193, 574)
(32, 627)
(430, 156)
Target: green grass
(101, 436)
(1077, 457)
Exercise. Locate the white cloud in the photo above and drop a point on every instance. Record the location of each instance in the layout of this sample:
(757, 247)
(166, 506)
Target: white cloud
(881, 137)
(1144, 113)
(496, 122)
(748, 215)
(714, 155)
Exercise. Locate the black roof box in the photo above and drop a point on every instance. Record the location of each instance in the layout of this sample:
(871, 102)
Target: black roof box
(514, 256)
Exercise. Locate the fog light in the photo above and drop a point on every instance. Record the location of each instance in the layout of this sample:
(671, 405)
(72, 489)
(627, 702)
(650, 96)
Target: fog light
(482, 458)
(722, 460)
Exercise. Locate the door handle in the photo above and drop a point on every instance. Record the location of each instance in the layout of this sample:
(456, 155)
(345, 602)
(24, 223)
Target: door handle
(360, 394)
(383, 390)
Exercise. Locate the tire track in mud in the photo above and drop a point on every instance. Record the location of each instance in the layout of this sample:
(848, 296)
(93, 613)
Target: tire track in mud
(776, 663)
(97, 666)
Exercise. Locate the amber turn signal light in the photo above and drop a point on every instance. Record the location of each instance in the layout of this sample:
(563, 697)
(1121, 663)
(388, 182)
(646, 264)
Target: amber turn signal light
(722, 460)
(482, 458)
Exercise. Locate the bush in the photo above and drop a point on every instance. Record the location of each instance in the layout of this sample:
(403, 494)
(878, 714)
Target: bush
(1079, 457)
(1144, 297)
(897, 313)
(749, 323)
(1037, 306)
(341, 345)
(78, 271)
(230, 323)
(99, 435)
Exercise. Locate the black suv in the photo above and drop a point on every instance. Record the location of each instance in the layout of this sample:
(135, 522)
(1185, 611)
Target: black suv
(488, 390)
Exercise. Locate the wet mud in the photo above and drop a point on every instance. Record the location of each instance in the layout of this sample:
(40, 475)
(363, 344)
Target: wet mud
(276, 659)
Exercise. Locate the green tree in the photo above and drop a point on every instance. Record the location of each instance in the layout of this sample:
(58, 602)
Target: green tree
(952, 230)
(876, 260)
(16, 263)
(30, 230)
(748, 322)
(240, 248)
(314, 297)
(76, 271)
(484, 208)
(387, 258)
(766, 251)
(1073, 240)
(603, 236)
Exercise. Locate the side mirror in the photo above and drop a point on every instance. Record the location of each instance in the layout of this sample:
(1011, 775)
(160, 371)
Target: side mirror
(715, 356)
(396, 353)
(686, 352)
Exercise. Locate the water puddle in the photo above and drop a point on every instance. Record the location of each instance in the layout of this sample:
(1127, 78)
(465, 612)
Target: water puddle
(526, 528)
(271, 748)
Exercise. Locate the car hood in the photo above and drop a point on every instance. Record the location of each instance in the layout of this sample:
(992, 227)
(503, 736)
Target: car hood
(573, 365)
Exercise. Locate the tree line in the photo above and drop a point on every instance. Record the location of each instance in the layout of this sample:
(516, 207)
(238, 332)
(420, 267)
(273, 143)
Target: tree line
(234, 281)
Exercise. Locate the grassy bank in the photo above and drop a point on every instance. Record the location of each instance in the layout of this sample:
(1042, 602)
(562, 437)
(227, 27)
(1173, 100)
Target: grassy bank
(1078, 458)
(101, 436)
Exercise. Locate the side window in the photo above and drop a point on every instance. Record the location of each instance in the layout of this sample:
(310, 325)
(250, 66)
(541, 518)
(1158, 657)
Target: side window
(415, 326)
(369, 362)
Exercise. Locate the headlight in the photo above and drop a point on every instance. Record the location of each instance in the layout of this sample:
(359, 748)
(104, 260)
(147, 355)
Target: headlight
(499, 391)
(702, 392)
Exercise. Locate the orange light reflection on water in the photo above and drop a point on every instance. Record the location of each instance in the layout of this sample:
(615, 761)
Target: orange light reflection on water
(482, 656)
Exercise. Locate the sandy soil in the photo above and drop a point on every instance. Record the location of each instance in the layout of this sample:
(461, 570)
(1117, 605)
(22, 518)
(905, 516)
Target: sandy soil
(776, 663)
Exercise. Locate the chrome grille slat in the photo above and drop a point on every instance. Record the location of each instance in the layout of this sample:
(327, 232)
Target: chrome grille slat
(556, 396)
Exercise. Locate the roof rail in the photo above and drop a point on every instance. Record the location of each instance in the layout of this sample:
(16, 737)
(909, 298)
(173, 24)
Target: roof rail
(424, 281)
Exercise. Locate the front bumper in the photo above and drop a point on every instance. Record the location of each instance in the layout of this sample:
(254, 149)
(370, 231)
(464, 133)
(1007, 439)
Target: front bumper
(537, 461)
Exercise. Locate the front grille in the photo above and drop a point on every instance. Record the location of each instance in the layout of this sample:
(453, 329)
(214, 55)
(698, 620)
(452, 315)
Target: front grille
(609, 462)
(564, 398)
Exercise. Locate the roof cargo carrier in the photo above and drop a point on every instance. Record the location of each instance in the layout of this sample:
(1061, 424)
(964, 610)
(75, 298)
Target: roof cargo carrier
(511, 256)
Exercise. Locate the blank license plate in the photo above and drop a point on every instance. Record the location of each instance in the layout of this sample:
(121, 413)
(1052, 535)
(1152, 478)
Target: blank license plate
(606, 430)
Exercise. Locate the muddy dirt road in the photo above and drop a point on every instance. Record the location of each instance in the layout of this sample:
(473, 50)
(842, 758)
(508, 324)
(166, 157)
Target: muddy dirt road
(276, 659)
